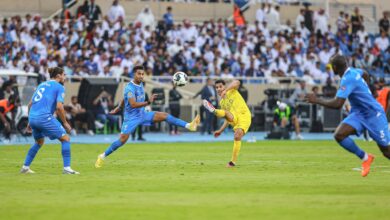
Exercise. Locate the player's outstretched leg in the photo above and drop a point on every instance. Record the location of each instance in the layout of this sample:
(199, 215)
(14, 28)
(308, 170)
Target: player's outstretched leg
(162, 116)
(31, 155)
(66, 155)
(113, 147)
(238, 134)
(220, 113)
(342, 137)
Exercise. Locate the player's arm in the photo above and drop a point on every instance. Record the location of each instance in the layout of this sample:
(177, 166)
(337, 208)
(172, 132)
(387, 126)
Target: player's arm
(233, 85)
(118, 108)
(221, 129)
(60, 109)
(134, 104)
(335, 103)
(62, 115)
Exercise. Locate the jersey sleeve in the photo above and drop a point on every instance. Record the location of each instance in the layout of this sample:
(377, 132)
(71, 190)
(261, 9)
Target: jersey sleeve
(345, 89)
(130, 92)
(60, 94)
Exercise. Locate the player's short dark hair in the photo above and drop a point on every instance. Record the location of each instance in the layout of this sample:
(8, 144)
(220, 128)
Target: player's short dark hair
(54, 71)
(220, 81)
(339, 62)
(136, 68)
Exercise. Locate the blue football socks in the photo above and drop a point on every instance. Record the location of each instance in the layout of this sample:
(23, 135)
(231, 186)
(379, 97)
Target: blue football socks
(31, 154)
(349, 145)
(66, 153)
(114, 146)
(176, 121)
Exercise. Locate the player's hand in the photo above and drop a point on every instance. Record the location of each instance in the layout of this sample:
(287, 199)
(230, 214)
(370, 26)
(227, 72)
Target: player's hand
(28, 129)
(217, 133)
(311, 98)
(67, 127)
(114, 111)
(152, 98)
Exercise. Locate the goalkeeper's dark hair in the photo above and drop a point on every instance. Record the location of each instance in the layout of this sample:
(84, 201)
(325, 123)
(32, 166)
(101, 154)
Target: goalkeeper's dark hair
(220, 81)
(139, 67)
(54, 71)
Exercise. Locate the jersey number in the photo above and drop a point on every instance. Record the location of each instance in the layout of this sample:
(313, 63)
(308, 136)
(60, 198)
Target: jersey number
(39, 94)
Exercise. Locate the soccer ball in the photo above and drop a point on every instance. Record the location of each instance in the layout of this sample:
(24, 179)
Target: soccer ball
(180, 79)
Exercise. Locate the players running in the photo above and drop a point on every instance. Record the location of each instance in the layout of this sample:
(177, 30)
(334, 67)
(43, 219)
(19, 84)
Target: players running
(234, 110)
(134, 114)
(366, 112)
(47, 99)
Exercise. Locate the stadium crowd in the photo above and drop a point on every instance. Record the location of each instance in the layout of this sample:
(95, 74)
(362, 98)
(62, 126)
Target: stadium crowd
(89, 43)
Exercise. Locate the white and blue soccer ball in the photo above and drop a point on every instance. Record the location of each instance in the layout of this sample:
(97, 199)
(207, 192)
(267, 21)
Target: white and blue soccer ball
(180, 79)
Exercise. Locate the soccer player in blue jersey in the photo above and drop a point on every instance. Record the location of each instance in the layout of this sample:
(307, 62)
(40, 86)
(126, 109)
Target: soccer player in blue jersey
(366, 112)
(134, 114)
(47, 99)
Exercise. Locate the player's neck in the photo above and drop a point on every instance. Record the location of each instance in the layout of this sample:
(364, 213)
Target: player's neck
(137, 83)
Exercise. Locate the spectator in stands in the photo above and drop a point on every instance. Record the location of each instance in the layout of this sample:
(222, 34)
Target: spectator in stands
(80, 114)
(174, 107)
(208, 93)
(300, 18)
(273, 18)
(82, 10)
(308, 17)
(382, 42)
(340, 23)
(146, 18)
(94, 13)
(356, 20)
(320, 23)
(168, 18)
(116, 12)
(260, 13)
(33, 45)
(103, 103)
(384, 23)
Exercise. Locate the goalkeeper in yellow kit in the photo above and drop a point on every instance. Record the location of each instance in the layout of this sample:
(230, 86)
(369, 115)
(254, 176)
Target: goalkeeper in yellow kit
(234, 110)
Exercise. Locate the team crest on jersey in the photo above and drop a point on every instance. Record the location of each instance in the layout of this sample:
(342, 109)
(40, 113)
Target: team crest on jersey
(129, 94)
(343, 88)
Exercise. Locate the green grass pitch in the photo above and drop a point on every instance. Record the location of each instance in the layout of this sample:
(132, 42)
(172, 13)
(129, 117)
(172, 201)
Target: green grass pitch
(274, 180)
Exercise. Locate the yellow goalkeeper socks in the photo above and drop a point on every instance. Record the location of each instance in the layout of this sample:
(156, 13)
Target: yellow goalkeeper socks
(220, 113)
(236, 150)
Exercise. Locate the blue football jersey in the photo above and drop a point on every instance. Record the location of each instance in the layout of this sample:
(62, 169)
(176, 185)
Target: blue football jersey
(45, 98)
(354, 88)
(133, 90)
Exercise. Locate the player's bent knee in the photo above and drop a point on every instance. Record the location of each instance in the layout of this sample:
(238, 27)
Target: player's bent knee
(40, 142)
(123, 138)
(65, 138)
(338, 136)
(238, 135)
